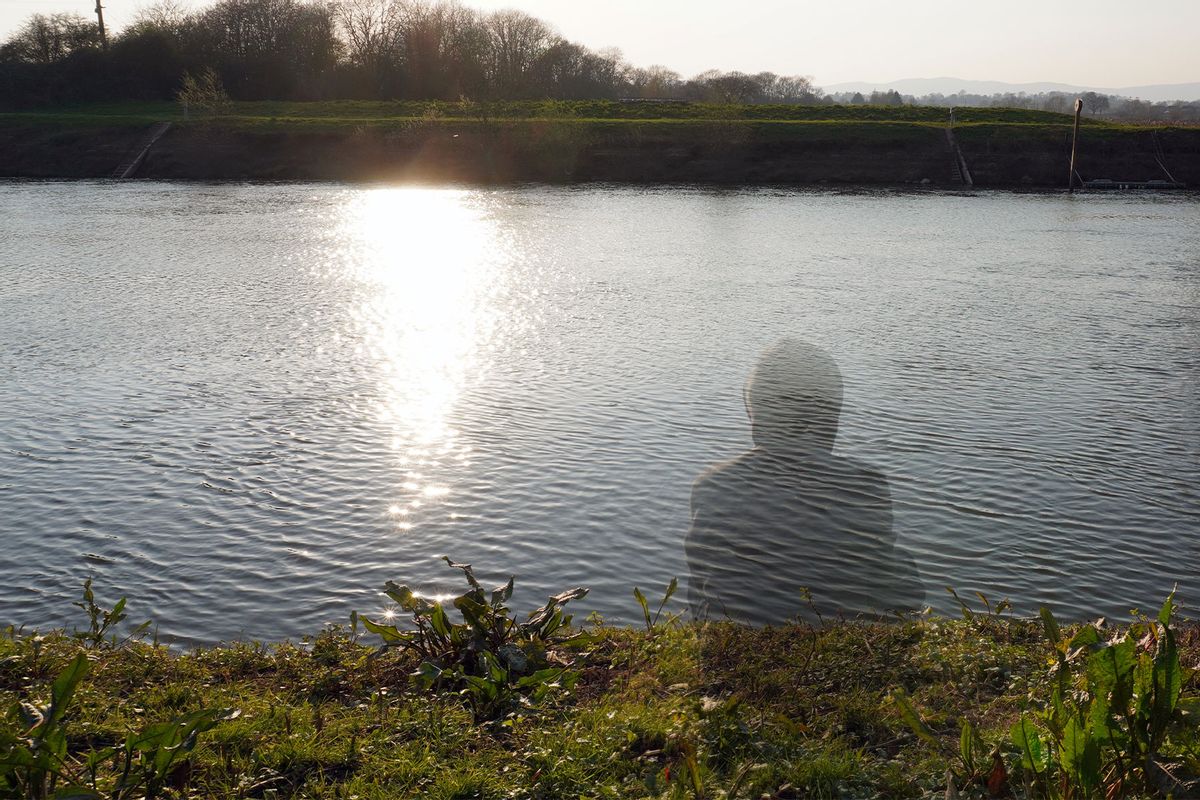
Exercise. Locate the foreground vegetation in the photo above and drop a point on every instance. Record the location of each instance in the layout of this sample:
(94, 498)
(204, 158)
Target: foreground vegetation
(471, 701)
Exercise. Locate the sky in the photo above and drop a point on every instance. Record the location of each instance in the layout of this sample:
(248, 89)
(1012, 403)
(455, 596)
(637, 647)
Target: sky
(1098, 43)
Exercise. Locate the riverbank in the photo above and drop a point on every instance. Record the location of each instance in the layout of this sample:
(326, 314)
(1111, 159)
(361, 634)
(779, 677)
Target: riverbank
(673, 710)
(635, 143)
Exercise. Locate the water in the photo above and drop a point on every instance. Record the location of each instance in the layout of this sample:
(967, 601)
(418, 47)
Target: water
(247, 406)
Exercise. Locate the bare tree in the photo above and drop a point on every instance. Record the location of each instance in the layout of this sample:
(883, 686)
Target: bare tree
(727, 87)
(368, 28)
(300, 49)
(267, 48)
(656, 83)
(167, 16)
(566, 70)
(45, 39)
(517, 40)
(1095, 103)
(794, 89)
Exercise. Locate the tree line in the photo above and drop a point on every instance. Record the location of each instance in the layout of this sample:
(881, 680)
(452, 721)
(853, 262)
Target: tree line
(1095, 104)
(344, 49)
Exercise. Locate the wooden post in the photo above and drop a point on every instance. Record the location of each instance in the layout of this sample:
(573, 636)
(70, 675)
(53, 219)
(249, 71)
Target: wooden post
(1074, 142)
(100, 21)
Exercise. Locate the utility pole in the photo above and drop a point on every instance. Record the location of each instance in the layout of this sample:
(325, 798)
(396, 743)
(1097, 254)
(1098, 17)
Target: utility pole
(1074, 141)
(100, 20)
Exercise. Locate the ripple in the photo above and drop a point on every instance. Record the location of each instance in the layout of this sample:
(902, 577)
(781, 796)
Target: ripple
(248, 406)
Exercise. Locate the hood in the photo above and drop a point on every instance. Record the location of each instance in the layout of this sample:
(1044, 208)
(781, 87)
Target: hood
(794, 399)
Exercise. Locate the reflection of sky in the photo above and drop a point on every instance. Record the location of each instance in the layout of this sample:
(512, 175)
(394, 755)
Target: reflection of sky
(429, 264)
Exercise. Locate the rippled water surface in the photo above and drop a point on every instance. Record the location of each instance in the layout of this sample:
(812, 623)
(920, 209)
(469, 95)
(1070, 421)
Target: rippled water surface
(246, 407)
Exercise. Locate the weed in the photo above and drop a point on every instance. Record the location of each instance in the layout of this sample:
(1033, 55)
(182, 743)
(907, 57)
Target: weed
(652, 622)
(102, 623)
(1098, 729)
(1110, 710)
(969, 615)
(36, 762)
(33, 743)
(499, 664)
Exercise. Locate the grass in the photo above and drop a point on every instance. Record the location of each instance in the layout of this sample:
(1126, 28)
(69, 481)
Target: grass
(672, 710)
(333, 114)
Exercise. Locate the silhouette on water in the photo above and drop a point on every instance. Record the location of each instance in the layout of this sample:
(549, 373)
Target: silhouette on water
(790, 514)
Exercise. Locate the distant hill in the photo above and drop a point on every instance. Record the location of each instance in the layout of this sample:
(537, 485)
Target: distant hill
(921, 86)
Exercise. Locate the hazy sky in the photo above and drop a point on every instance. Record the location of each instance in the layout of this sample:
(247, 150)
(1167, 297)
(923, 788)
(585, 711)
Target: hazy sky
(1104, 43)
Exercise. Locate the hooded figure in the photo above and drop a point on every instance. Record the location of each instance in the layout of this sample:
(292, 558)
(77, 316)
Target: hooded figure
(790, 520)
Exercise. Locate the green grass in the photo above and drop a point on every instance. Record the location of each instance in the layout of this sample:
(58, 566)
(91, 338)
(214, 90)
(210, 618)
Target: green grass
(351, 113)
(680, 711)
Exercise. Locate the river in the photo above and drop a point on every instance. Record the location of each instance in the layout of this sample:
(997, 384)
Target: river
(247, 406)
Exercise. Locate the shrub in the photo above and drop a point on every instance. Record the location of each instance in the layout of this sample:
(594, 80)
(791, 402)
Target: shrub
(205, 93)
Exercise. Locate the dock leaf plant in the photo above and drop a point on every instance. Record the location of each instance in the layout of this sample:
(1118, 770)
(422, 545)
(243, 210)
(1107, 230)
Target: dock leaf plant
(483, 652)
(1111, 707)
(1098, 726)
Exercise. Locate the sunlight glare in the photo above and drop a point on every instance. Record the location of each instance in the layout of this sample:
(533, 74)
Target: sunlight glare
(429, 261)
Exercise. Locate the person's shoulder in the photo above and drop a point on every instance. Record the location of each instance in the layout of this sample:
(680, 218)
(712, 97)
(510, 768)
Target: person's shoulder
(723, 473)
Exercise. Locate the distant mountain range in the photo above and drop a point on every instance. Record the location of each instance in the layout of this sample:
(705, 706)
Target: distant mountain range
(923, 86)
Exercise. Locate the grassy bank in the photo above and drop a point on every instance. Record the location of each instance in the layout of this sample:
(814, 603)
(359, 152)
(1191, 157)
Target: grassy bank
(353, 113)
(576, 142)
(673, 709)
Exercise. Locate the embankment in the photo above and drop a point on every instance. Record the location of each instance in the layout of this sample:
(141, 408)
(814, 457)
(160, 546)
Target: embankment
(626, 151)
(925, 708)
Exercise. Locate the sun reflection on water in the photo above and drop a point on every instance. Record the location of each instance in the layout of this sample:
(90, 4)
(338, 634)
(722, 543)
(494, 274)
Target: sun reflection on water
(430, 262)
